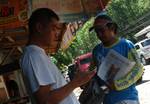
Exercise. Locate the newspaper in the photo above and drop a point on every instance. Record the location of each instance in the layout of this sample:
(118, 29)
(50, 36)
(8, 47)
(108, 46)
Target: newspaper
(119, 62)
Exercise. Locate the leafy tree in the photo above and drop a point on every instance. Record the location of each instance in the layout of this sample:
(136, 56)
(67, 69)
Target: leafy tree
(126, 12)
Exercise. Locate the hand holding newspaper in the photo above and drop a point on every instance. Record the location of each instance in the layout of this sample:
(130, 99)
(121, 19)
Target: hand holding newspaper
(114, 66)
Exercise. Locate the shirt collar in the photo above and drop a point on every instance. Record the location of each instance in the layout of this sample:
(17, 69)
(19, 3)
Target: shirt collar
(35, 47)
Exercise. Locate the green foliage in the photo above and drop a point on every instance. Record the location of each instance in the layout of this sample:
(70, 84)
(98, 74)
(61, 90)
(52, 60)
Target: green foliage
(126, 12)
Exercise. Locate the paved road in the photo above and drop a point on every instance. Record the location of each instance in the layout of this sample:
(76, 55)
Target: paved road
(144, 88)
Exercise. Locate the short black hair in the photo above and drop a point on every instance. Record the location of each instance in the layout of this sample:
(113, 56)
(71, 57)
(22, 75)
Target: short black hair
(103, 16)
(43, 15)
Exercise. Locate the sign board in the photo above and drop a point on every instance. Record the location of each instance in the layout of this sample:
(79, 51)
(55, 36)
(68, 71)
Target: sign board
(13, 13)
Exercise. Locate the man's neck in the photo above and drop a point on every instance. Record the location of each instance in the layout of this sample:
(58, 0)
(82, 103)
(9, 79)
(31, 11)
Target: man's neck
(109, 43)
(36, 43)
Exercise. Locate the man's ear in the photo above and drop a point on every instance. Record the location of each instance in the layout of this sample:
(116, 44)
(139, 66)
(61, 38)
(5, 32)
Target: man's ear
(39, 28)
(115, 27)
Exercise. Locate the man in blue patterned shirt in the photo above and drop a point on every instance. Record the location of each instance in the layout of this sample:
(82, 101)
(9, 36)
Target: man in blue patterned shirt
(122, 91)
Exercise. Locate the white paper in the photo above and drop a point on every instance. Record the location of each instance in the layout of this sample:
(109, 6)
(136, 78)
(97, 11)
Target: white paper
(114, 58)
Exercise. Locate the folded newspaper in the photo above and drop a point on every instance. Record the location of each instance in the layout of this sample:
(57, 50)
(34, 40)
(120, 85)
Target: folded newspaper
(119, 62)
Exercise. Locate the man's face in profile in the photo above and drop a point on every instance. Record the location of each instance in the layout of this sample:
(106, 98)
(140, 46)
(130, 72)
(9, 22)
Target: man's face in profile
(102, 30)
(50, 32)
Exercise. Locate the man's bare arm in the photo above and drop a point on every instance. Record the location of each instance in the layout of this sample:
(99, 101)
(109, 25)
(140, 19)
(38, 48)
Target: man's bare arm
(46, 95)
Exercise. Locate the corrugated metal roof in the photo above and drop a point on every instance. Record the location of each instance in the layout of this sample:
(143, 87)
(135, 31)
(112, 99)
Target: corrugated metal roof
(143, 31)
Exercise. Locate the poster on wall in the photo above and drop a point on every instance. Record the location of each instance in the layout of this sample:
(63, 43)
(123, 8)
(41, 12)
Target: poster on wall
(13, 14)
(70, 34)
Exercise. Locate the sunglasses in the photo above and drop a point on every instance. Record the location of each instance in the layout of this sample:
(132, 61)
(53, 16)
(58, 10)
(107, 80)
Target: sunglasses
(101, 28)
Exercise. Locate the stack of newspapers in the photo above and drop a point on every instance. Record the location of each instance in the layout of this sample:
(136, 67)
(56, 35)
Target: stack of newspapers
(121, 63)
